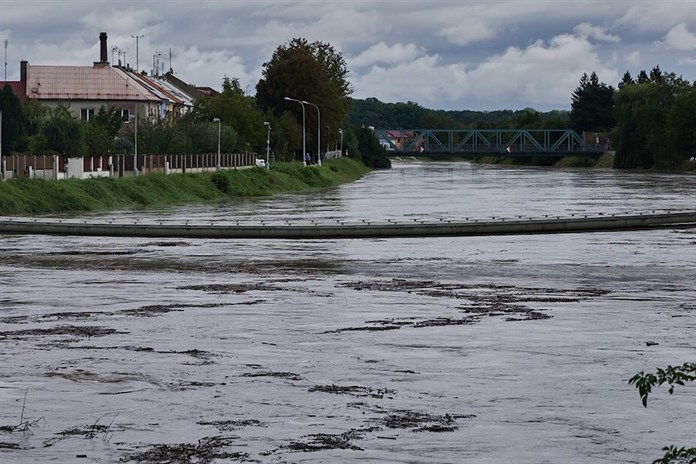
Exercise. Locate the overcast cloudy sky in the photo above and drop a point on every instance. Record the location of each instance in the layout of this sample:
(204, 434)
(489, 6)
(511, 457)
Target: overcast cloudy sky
(442, 54)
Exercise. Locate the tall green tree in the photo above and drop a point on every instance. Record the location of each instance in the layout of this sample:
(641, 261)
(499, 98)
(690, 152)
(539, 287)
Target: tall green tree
(371, 152)
(63, 133)
(592, 105)
(237, 111)
(13, 121)
(101, 131)
(642, 137)
(626, 80)
(313, 72)
(681, 128)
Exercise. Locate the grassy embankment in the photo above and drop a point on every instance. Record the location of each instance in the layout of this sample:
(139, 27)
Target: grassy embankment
(36, 196)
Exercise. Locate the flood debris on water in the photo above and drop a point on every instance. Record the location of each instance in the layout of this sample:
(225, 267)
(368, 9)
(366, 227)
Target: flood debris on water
(483, 300)
(83, 375)
(422, 422)
(326, 441)
(395, 324)
(232, 288)
(12, 446)
(354, 390)
(279, 375)
(166, 244)
(230, 425)
(74, 330)
(158, 309)
(207, 450)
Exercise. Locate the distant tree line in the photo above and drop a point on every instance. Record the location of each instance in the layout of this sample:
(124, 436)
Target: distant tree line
(410, 115)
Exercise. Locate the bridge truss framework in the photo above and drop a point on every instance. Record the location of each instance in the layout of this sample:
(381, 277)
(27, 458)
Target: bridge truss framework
(491, 142)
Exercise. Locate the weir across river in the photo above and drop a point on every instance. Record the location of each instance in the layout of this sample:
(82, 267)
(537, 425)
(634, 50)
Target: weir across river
(354, 230)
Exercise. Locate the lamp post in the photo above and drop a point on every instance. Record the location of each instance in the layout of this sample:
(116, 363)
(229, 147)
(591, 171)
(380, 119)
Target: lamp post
(217, 120)
(268, 144)
(340, 131)
(304, 140)
(135, 155)
(318, 131)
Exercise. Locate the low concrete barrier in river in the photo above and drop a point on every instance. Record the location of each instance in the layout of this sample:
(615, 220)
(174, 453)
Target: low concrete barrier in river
(343, 230)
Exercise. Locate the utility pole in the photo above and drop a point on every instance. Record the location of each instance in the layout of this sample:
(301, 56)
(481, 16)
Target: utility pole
(137, 51)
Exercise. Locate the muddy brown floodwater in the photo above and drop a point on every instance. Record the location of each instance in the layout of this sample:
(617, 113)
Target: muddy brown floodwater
(430, 350)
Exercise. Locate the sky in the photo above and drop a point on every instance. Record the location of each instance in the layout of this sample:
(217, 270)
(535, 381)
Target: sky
(441, 54)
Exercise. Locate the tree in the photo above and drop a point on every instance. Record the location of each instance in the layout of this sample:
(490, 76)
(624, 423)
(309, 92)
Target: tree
(372, 154)
(592, 105)
(672, 375)
(639, 136)
(681, 128)
(642, 77)
(235, 110)
(13, 121)
(183, 136)
(642, 136)
(63, 133)
(656, 75)
(101, 131)
(313, 72)
(626, 80)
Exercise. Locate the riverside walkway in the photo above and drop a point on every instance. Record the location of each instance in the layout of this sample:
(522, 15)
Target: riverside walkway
(338, 229)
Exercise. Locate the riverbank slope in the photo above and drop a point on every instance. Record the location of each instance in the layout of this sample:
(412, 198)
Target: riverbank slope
(37, 196)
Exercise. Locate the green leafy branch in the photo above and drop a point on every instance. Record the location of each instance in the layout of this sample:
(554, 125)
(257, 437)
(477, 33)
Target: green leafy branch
(674, 455)
(672, 375)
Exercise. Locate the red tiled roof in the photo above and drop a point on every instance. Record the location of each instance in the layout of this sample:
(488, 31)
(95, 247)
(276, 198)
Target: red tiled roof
(83, 83)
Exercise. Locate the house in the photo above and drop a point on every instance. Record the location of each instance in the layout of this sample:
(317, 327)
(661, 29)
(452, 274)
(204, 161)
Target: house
(83, 90)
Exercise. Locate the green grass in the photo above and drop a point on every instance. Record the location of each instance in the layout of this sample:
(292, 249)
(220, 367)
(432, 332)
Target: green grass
(37, 196)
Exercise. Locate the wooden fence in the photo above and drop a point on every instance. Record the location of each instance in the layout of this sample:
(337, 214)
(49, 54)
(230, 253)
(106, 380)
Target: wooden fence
(56, 167)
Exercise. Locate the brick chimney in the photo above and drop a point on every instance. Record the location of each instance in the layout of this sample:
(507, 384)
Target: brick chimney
(103, 52)
(23, 71)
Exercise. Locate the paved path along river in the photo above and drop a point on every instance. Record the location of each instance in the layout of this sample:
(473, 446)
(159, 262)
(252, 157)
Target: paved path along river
(434, 350)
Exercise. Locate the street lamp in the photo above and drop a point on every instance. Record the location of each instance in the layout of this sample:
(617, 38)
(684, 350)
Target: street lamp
(340, 131)
(268, 144)
(304, 142)
(217, 120)
(318, 131)
(135, 154)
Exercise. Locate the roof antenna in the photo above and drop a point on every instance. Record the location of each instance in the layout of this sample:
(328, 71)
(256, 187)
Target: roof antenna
(5, 60)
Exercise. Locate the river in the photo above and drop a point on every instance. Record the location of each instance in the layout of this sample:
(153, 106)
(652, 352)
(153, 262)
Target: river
(420, 350)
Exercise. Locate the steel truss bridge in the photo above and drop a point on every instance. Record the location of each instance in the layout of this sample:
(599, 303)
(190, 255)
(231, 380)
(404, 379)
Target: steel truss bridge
(486, 142)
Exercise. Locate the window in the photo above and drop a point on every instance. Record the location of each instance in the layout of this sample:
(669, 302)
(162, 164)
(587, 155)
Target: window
(86, 114)
(125, 115)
